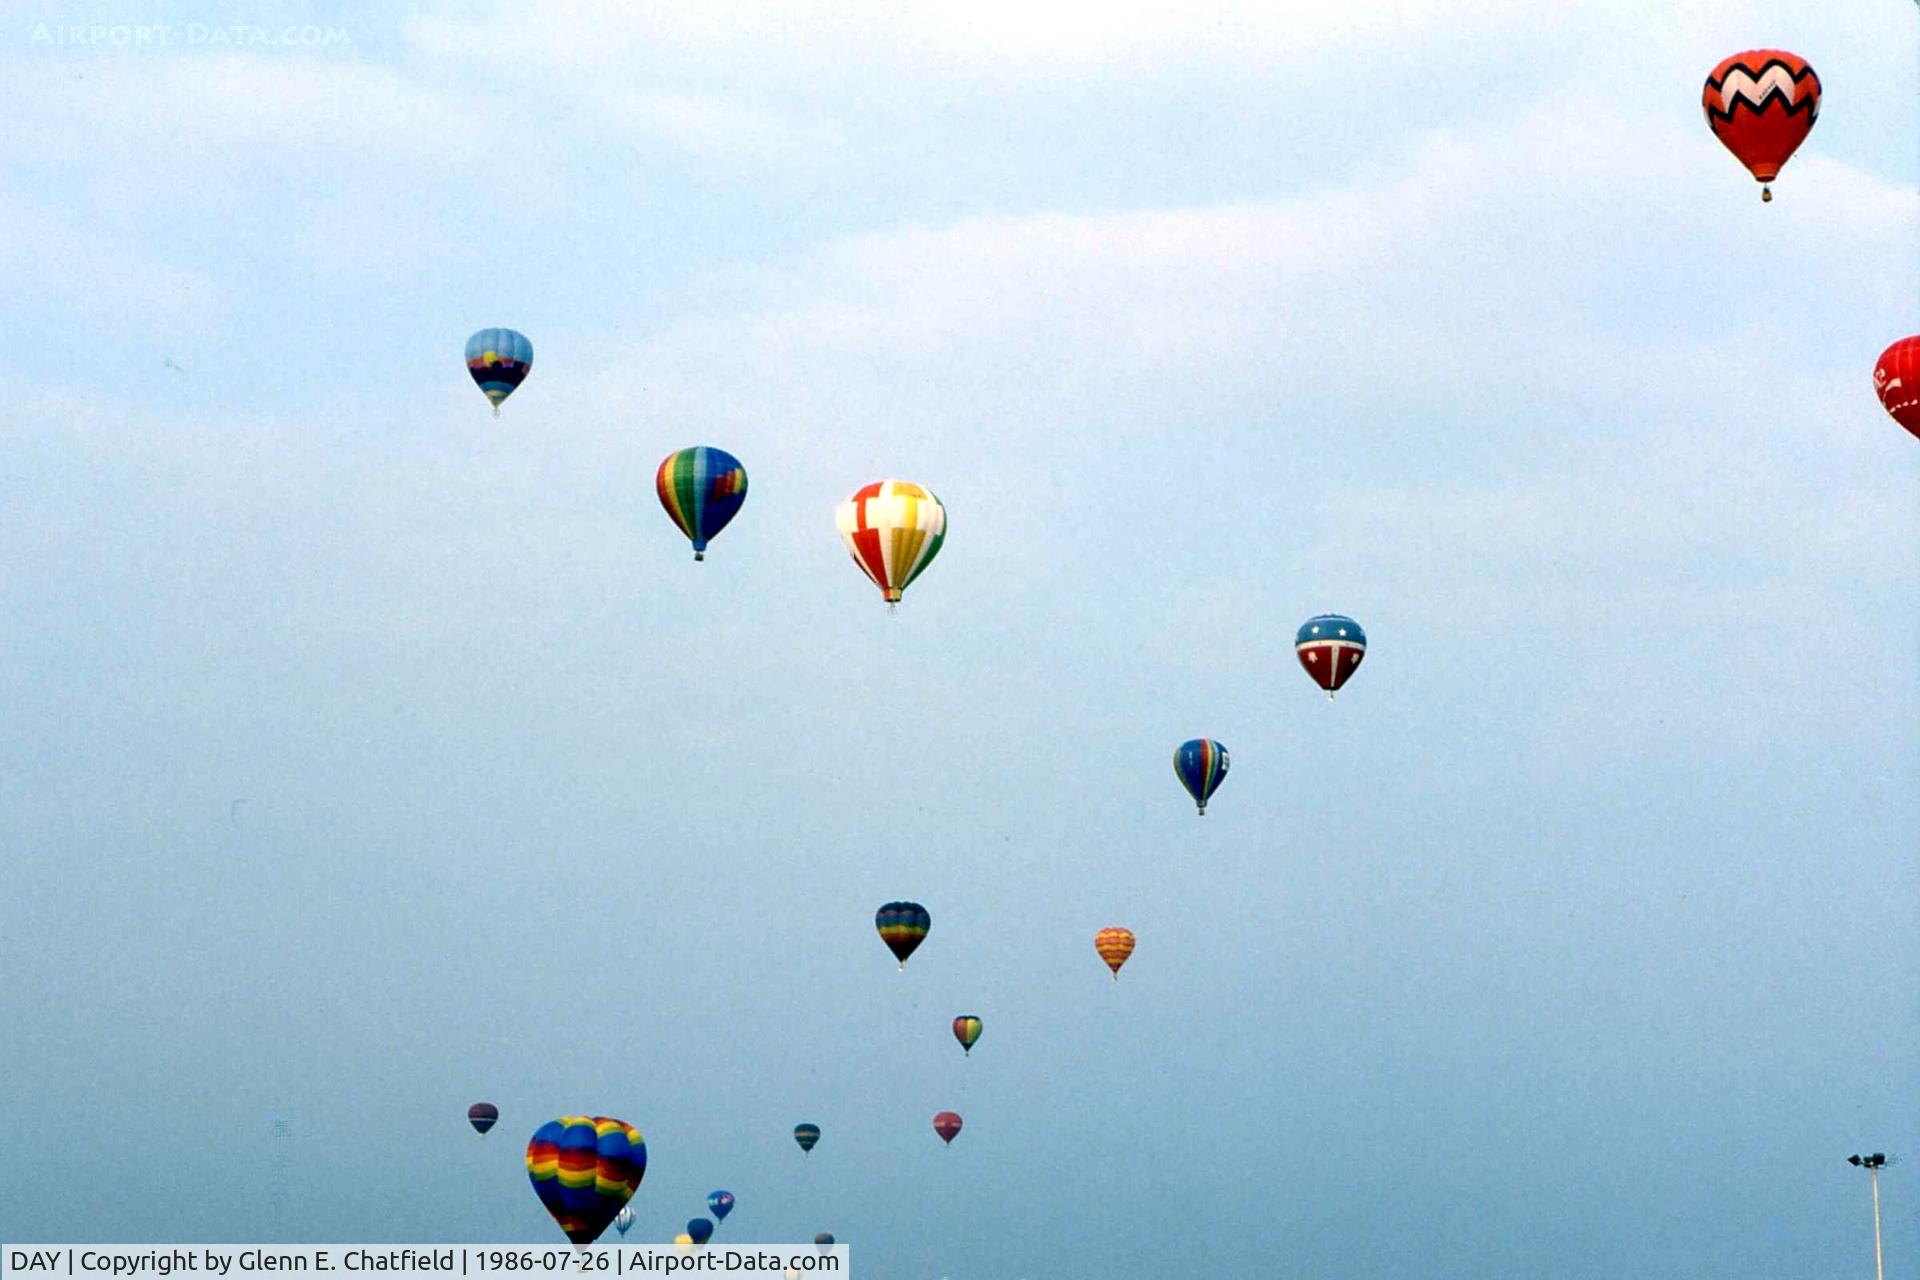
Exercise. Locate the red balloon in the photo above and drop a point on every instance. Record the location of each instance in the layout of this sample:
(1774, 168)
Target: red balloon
(1761, 104)
(946, 1124)
(1897, 378)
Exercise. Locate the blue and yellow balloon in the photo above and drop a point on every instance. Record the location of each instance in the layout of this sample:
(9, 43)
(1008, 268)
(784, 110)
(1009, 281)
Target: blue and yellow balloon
(499, 360)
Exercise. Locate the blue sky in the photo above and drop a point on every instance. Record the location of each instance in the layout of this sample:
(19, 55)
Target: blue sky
(1575, 938)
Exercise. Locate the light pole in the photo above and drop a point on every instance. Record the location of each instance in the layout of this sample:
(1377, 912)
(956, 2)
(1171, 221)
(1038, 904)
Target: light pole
(1872, 1165)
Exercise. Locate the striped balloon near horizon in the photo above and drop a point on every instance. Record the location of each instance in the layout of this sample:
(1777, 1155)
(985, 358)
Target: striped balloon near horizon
(585, 1169)
(1114, 945)
(701, 489)
(806, 1135)
(1201, 765)
(499, 361)
(1330, 647)
(893, 529)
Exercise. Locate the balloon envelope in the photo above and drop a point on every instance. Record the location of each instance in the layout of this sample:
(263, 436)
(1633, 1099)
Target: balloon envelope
(1896, 379)
(1330, 647)
(700, 1229)
(720, 1204)
(903, 927)
(806, 1135)
(947, 1124)
(893, 529)
(701, 489)
(1114, 945)
(966, 1029)
(1761, 105)
(584, 1169)
(499, 361)
(1201, 765)
(483, 1116)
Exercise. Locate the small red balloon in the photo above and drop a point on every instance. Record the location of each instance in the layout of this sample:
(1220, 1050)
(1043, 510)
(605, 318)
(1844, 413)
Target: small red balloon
(1897, 378)
(946, 1124)
(1761, 105)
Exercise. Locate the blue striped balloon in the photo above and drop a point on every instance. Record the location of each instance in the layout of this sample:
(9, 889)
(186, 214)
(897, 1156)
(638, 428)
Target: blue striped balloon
(1201, 766)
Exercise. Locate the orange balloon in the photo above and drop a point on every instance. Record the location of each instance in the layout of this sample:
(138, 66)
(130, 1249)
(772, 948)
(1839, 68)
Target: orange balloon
(1114, 945)
(1761, 104)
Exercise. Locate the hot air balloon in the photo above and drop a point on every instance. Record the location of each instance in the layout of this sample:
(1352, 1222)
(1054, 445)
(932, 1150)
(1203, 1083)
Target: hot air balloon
(1330, 647)
(702, 489)
(1897, 378)
(893, 529)
(903, 926)
(1114, 945)
(824, 1240)
(483, 1116)
(499, 360)
(806, 1135)
(700, 1229)
(1201, 766)
(623, 1220)
(1761, 104)
(966, 1029)
(584, 1169)
(720, 1204)
(946, 1124)
(683, 1242)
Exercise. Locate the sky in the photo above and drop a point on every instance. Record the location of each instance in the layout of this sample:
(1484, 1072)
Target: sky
(1575, 938)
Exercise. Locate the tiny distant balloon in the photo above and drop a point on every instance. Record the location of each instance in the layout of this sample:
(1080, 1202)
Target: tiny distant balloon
(683, 1242)
(903, 927)
(947, 1125)
(499, 360)
(483, 1116)
(701, 490)
(585, 1169)
(623, 1220)
(966, 1029)
(1761, 104)
(1330, 647)
(1896, 378)
(806, 1135)
(701, 1229)
(1201, 765)
(1114, 945)
(720, 1204)
(893, 529)
(824, 1240)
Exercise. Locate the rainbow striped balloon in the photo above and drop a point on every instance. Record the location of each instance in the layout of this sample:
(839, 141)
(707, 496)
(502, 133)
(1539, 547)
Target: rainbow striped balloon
(1114, 945)
(585, 1169)
(903, 927)
(1201, 765)
(702, 489)
(893, 529)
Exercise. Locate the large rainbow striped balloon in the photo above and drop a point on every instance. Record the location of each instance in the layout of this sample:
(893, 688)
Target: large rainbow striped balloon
(585, 1169)
(903, 927)
(893, 529)
(702, 489)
